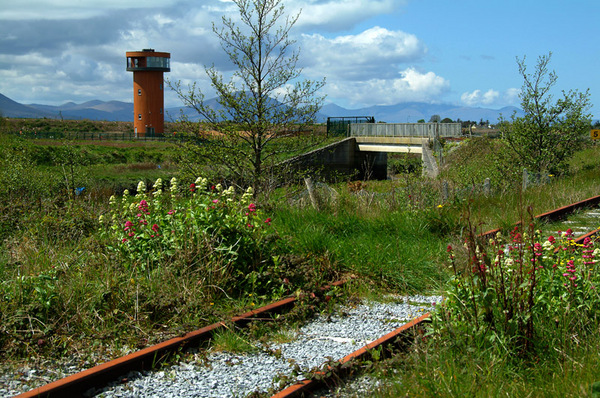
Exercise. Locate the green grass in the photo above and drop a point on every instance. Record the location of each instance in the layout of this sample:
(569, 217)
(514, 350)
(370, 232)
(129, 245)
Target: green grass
(394, 249)
(432, 370)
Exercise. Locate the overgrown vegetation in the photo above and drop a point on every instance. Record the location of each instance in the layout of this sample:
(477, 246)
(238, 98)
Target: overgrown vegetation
(72, 277)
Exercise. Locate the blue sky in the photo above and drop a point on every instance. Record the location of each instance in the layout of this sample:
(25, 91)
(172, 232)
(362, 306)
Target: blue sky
(379, 52)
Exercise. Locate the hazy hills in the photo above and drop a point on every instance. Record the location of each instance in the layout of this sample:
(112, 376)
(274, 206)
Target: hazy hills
(408, 112)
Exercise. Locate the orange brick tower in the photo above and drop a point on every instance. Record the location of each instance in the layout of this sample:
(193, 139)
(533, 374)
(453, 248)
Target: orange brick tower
(148, 90)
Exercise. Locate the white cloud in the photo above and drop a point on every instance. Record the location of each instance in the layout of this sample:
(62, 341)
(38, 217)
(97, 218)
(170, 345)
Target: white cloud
(373, 53)
(477, 98)
(511, 96)
(335, 15)
(71, 9)
(412, 85)
(491, 98)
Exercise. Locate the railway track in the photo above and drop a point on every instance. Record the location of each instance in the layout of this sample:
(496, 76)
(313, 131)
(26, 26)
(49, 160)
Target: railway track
(130, 375)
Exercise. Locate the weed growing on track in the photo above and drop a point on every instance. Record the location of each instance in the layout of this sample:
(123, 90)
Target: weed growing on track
(520, 318)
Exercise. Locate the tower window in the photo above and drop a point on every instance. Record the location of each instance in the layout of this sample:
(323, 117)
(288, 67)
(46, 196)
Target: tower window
(139, 116)
(139, 91)
(161, 111)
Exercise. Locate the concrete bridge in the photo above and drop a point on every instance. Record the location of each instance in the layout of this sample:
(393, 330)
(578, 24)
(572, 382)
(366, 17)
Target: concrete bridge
(365, 151)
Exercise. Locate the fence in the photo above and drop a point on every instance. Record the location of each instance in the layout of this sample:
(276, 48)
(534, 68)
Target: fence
(96, 136)
(341, 125)
(431, 130)
(487, 188)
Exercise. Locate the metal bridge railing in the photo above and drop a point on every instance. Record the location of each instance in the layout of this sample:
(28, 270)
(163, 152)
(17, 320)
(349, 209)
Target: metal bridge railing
(430, 130)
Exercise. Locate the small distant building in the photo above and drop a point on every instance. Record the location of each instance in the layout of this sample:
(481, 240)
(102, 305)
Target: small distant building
(148, 67)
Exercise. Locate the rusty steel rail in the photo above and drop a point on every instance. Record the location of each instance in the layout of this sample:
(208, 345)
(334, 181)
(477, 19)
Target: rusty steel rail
(396, 337)
(554, 215)
(148, 358)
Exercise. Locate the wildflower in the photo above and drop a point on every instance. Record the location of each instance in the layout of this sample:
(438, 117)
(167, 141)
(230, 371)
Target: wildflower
(268, 221)
(101, 218)
(112, 200)
(128, 225)
(440, 206)
(449, 249)
(141, 187)
(551, 239)
(219, 187)
(158, 184)
(250, 225)
(123, 240)
(173, 186)
(171, 212)
(252, 207)
(192, 187)
(537, 249)
(517, 238)
(155, 227)
(125, 193)
(143, 207)
(215, 201)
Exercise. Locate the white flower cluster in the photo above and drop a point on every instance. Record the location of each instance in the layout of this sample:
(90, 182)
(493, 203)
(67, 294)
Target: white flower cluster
(141, 189)
(201, 183)
(247, 196)
(174, 188)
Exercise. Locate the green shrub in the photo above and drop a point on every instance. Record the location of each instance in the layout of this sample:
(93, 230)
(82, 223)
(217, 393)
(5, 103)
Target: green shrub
(205, 227)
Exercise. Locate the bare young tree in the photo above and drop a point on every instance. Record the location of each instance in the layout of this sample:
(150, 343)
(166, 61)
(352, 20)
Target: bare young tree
(550, 131)
(265, 100)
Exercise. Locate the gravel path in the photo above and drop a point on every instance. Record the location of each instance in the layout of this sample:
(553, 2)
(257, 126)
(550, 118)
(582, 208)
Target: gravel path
(223, 374)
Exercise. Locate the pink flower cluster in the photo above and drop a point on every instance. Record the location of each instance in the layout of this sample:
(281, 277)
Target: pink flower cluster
(570, 272)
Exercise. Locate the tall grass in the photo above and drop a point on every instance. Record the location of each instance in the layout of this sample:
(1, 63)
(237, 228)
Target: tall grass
(399, 247)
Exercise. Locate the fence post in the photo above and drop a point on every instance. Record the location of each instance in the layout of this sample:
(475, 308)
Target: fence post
(311, 192)
(444, 191)
(486, 187)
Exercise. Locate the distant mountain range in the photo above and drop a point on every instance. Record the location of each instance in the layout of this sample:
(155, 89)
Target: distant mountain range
(407, 112)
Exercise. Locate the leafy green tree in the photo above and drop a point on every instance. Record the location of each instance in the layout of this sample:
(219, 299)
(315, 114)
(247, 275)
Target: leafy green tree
(550, 131)
(435, 119)
(264, 102)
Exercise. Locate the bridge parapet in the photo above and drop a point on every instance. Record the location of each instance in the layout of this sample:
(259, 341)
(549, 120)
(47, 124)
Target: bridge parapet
(429, 130)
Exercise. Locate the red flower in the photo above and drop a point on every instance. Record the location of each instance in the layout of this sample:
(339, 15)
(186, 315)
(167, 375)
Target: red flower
(155, 228)
(268, 221)
(551, 239)
(192, 187)
(449, 249)
(128, 225)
